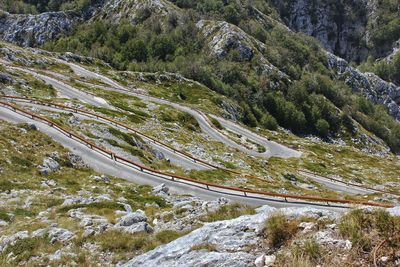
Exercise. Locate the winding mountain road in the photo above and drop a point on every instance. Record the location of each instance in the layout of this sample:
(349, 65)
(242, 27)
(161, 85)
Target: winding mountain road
(67, 90)
(178, 157)
(272, 148)
(175, 158)
(104, 164)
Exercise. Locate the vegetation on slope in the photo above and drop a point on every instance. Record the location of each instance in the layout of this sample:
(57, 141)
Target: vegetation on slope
(312, 103)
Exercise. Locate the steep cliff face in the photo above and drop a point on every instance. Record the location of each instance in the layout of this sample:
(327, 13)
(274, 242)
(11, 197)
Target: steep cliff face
(369, 84)
(32, 30)
(339, 25)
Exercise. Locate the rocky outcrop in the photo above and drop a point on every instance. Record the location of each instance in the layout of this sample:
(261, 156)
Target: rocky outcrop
(221, 243)
(341, 26)
(34, 30)
(369, 84)
(224, 39)
(136, 10)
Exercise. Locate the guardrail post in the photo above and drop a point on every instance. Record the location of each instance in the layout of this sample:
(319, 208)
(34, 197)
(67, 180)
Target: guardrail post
(173, 178)
(141, 169)
(245, 194)
(208, 188)
(286, 199)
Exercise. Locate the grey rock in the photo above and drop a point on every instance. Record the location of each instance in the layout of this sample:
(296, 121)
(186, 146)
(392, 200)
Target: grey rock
(102, 178)
(344, 35)
(39, 232)
(75, 161)
(133, 218)
(307, 226)
(327, 238)
(49, 166)
(32, 30)
(160, 189)
(5, 78)
(73, 120)
(140, 227)
(229, 237)
(88, 232)
(207, 258)
(269, 260)
(32, 126)
(368, 84)
(60, 235)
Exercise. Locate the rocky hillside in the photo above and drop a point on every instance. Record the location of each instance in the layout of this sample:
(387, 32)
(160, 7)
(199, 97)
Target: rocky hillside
(350, 29)
(199, 133)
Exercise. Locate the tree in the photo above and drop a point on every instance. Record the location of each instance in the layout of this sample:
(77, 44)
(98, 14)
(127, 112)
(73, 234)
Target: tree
(269, 122)
(161, 47)
(135, 49)
(322, 128)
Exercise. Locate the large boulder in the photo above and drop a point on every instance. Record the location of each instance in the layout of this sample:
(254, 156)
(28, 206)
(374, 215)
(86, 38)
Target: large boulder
(133, 218)
(49, 165)
(59, 235)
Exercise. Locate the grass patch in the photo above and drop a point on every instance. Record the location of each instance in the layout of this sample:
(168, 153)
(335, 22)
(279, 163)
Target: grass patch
(279, 229)
(216, 123)
(182, 118)
(93, 206)
(210, 175)
(206, 246)
(227, 212)
(4, 216)
(138, 197)
(124, 245)
(363, 227)
(26, 248)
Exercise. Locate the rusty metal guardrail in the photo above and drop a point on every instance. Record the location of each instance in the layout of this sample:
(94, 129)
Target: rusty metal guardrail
(349, 183)
(176, 178)
(126, 127)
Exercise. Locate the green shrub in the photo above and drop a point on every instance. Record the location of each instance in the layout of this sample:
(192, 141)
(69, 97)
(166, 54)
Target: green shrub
(216, 123)
(278, 229)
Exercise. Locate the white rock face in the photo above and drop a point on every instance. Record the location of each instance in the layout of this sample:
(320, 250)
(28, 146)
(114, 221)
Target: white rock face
(28, 30)
(117, 10)
(230, 238)
(339, 27)
(369, 84)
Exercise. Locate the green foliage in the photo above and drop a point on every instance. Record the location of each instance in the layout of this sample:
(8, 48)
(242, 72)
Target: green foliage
(216, 123)
(4, 216)
(227, 212)
(23, 249)
(309, 250)
(184, 119)
(95, 205)
(322, 127)
(279, 229)
(359, 226)
(309, 103)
